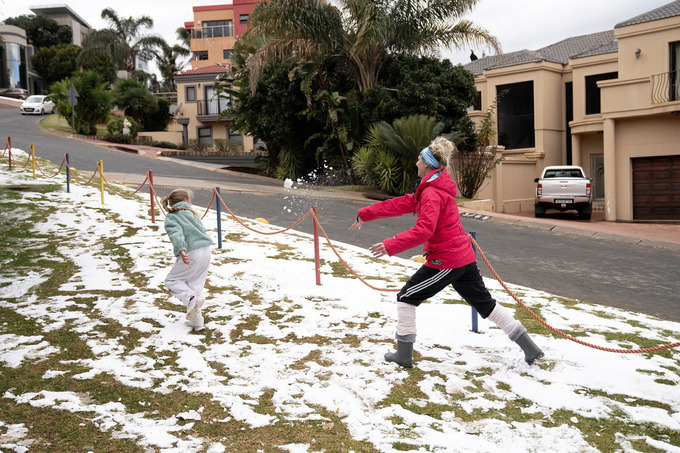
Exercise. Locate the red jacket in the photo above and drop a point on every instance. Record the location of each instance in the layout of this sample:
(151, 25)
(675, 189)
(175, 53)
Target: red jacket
(447, 246)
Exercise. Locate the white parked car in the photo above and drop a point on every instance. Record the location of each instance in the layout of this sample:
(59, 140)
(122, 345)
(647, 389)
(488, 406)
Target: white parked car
(37, 105)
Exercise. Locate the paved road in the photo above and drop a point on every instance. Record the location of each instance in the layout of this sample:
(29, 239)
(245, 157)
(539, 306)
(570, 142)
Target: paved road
(607, 272)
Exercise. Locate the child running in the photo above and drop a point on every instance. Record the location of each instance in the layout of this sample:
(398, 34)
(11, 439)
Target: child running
(191, 245)
(448, 251)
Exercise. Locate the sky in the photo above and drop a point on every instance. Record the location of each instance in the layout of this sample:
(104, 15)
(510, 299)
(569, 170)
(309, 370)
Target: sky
(315, 349)
(520, 24)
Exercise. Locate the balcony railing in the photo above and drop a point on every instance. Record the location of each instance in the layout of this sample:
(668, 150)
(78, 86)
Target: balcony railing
(216, 31)
(213, 106)
(666, 87)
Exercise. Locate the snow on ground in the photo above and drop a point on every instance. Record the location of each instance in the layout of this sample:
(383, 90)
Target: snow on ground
(271, 279)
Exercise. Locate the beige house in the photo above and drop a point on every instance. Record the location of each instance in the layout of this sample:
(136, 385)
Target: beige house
(214, 31)
(607, 101)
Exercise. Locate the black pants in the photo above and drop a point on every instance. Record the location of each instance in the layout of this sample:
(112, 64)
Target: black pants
(466, 280)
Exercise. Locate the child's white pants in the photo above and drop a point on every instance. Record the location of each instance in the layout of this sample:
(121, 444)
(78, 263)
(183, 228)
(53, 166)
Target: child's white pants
(187, 280)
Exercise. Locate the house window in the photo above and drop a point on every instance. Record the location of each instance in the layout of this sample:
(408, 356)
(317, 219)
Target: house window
(593, 103)
(217, 28)
(477, 102)
(674, 75)
(190, 94)
(243, 18)
(204, 135)
(234, 135)
(201, 55)
(227, 54)
(516, 115)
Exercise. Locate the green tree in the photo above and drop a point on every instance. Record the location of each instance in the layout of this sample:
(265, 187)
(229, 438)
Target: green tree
(273, 114)
(420, 85)
(387, 162)
(167, 57)
(125, 40)
(150, 112)
(42, 31)
(56, 62)
(100, 62)
(361, 34)
(94, 100)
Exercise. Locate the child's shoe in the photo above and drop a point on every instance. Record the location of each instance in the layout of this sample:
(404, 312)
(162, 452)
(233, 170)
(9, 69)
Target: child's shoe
(194, 306)
(196, 323)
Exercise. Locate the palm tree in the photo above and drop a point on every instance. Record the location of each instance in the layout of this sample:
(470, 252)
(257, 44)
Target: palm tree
(125, 40)
(362, 33)
(167, 59)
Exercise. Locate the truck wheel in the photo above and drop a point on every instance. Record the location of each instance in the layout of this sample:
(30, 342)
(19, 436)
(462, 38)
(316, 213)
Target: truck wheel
(539, 211)
(585, 211)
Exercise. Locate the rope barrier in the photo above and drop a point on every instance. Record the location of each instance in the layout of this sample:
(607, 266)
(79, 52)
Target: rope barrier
(155, 197)
(559, 332)
(122, 195)
(63, 161)
(253, 229)
(73, 170)
(349, 268)
(209, 204)
(335, 251)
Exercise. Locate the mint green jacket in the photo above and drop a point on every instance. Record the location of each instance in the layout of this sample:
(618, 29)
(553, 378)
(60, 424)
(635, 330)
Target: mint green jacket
(185, 229)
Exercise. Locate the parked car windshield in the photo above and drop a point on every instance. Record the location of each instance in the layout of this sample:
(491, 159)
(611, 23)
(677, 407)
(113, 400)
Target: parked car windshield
(35, 99)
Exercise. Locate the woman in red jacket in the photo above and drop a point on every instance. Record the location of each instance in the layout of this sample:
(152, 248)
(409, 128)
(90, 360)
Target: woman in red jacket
(450, 259)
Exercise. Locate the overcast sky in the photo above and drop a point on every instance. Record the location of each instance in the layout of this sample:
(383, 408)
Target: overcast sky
(520, 24)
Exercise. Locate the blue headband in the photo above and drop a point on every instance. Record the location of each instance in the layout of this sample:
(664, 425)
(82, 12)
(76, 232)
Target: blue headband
(429, 158)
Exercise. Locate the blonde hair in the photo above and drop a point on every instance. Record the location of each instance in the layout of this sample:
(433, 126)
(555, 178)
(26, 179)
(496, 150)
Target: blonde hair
(175, 197)
(442, 148)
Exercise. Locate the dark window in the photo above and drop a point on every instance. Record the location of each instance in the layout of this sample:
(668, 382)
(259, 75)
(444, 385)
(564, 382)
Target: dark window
(477, 102)
(190, 94)
(205, 135)
(243, 18)
(201, 55)
(593, 92)
(674, 76)
(227, 54)
(516, 115)
(235, 135)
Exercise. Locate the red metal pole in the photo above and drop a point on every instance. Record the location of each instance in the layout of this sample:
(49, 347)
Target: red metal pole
(153, 205)
(317, 260)
(9, 148)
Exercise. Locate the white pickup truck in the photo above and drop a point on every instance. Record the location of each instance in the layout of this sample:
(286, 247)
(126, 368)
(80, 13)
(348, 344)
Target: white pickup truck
(564, 187)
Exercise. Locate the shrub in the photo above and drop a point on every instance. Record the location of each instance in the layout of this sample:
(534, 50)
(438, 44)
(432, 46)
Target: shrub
(228, 147)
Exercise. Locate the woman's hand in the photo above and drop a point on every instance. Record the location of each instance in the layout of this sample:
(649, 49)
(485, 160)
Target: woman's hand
(357, 224)
(184, 256)
(378, 249)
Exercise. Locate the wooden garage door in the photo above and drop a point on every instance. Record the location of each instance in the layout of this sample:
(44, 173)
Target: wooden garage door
(656, 188)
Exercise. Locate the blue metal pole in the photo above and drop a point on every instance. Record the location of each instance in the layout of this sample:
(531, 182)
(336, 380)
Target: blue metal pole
(68, 175)
(219, 220)
(475, 320)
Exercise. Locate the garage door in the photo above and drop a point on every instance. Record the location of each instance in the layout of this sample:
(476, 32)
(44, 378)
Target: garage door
(656, 188)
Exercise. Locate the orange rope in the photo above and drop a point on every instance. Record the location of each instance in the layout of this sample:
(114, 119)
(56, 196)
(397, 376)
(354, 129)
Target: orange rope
(257, 231)
(559, 332)
(25, 163)
(63, 161)
(347, 265)
(76, 179)
(155, 197)
(209, 204)
(120, 194)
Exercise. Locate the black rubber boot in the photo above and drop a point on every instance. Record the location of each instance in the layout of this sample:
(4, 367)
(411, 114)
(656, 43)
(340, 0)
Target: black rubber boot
(404, 355)
(531, 352)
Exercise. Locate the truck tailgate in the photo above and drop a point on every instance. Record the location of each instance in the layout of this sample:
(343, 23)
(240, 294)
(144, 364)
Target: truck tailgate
(564, 187)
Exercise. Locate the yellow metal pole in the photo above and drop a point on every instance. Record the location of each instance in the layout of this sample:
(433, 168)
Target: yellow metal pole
(33, 159)
(101, 178)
